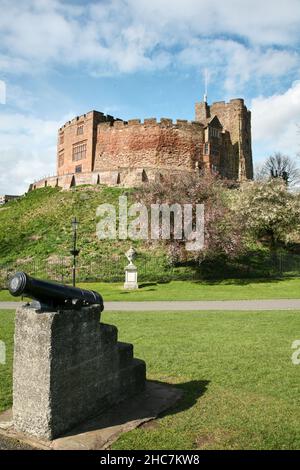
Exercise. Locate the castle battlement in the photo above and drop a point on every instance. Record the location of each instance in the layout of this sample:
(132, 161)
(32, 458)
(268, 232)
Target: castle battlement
(87, 116)
(234, 101)
(148, 122)
(95, 148)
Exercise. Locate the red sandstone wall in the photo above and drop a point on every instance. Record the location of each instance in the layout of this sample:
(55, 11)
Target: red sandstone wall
(151, 144)
(69, 136)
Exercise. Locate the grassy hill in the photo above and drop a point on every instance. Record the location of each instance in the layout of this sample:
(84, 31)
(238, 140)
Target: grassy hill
(36, 235)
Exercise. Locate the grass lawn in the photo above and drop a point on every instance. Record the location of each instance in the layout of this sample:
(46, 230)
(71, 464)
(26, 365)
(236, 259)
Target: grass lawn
(234, 289)
(241, 390)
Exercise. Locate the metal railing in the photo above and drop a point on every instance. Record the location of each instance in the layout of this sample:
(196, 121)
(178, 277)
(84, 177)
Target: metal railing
(100, 269)
(111, 269)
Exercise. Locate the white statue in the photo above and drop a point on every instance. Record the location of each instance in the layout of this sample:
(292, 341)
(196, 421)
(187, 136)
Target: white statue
(131, 255)
(131, 271)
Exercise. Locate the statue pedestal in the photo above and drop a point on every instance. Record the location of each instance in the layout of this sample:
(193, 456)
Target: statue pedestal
(131, 277)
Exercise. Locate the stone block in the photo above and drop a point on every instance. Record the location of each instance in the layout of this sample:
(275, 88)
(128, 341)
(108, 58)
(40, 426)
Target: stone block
(68, 367)
(125, 354)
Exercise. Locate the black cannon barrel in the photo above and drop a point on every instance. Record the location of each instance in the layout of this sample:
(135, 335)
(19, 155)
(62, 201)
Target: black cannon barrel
(52, 294)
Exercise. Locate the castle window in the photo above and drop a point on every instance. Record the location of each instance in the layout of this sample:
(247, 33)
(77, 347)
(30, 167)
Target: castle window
(214, 132)
(61, 138)
(80, 130)
(206, 148)
(61, 159)
(78, 169)
(79, 151)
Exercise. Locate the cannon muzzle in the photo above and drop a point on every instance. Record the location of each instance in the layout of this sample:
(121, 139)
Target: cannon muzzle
(51, 294)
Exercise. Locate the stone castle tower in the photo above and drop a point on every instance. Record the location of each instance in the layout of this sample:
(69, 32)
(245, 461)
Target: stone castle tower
(236, 125)
(99, 149)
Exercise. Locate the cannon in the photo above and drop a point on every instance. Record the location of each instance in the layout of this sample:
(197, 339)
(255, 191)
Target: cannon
(51, 295)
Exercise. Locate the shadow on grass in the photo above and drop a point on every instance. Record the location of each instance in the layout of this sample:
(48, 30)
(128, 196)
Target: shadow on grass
(214, 282)
(158, 400)
(239, 282)
(148, 284)
(191, 392)
(134, 290)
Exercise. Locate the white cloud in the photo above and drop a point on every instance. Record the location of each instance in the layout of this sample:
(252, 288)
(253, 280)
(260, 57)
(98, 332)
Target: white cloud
(2, 92)
(242, 42)
(237, 63)
(275, 121)
(28, 150)
(126, 35)
(268, 22)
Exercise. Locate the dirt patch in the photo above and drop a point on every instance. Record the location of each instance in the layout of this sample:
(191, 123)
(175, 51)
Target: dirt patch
(211, 439)
(35, 237)
(205, 440)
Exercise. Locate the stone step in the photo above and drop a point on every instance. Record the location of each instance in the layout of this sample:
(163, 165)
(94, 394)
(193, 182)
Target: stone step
(125, 351)
(132, 378)
(108, 336)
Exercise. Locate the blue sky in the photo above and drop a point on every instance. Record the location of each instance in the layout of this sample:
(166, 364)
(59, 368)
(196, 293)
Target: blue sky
(141, 59)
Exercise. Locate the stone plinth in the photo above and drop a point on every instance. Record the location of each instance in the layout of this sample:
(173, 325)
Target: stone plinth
(68, 367)
(131, 277)
(99, 432)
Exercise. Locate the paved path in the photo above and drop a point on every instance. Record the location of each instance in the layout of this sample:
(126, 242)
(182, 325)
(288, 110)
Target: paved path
(277, 304)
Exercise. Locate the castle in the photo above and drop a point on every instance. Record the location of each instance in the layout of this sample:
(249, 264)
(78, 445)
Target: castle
(99, 149)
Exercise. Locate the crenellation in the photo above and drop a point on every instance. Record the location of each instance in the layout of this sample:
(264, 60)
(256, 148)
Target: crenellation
(119, 124)
(239, 101)
(166, 121)
(150, 121)
(95, 148)
(219, 103)
(134, 122)
(182, 123)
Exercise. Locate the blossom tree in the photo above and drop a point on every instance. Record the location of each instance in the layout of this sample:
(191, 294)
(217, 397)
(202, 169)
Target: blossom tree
(222, 234)
(267, 209)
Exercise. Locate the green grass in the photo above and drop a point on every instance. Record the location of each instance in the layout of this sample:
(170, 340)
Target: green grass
(6, 297)
(37, 226)
(6, 335)
(36, 237)
(201, 290)
(195, 290)
(241, 390)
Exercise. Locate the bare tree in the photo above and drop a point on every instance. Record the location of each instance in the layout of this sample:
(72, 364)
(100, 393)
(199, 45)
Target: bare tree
(280, 166)
(259, 173)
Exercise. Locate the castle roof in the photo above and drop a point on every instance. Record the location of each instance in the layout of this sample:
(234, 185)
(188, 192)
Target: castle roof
(214, 121)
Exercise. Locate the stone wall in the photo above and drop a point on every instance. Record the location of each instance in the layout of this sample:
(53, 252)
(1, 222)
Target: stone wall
(161, 144)
(125, 177)
(69, 135)
(236, 119)
(133, 152)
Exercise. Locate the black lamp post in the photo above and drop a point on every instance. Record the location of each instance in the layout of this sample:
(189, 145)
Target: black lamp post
(74, 252)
